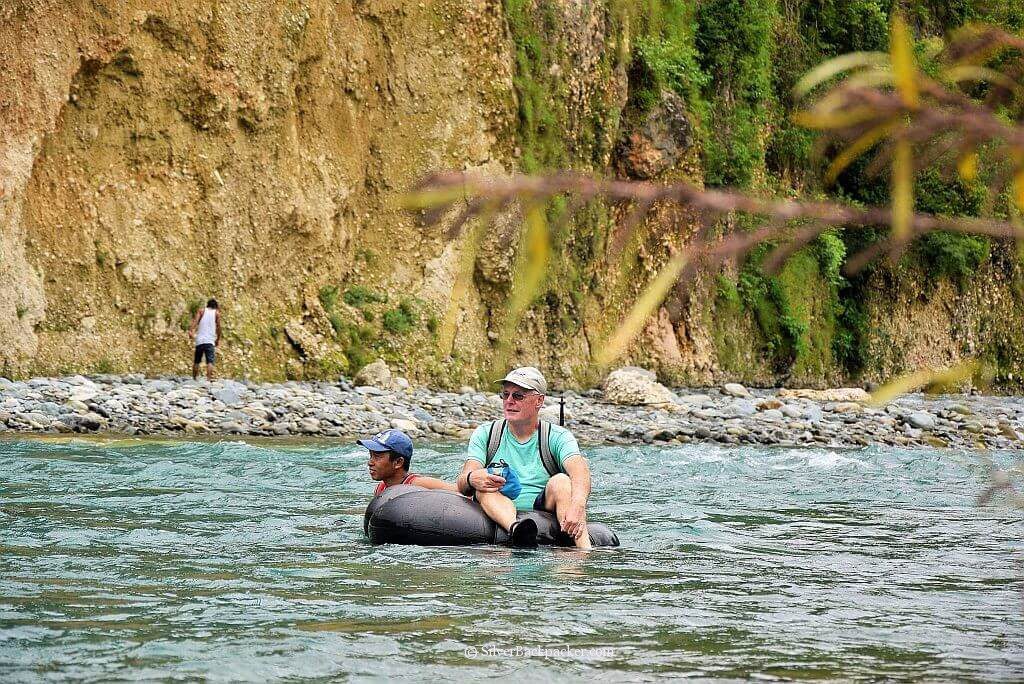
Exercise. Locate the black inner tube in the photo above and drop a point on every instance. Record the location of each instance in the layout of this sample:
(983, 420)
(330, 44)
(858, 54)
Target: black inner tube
(408, 514)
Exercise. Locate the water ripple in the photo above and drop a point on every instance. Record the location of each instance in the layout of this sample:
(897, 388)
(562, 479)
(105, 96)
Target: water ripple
(231, 561)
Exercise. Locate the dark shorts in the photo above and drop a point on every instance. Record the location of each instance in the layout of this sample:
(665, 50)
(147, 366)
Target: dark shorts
(201, 351)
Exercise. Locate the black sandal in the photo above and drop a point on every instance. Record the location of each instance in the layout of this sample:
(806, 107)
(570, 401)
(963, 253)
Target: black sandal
(523, 534)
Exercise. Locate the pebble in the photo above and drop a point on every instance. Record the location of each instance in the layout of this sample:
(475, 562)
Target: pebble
(135, 405)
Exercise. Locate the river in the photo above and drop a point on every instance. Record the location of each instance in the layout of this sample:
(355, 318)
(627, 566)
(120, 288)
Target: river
(234, 561)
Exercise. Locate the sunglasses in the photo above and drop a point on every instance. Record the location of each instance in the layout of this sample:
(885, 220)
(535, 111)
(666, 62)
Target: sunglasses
(518, 396)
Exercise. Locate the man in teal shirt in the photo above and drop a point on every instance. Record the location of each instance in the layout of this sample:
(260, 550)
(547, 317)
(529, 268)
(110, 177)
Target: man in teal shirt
(565, 494)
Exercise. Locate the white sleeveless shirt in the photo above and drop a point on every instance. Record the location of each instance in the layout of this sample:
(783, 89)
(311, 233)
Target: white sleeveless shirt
(207, 332)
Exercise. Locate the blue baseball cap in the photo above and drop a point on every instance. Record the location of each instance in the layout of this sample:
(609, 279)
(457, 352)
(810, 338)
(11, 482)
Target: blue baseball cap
(389, 440)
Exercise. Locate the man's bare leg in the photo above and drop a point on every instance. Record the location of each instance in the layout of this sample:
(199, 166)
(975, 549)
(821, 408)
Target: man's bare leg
(498, 508)
(195, 371)
(209, 372)
(557, 496)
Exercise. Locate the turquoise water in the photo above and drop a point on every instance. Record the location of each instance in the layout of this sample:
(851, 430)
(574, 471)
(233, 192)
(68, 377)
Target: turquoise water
(234, 561)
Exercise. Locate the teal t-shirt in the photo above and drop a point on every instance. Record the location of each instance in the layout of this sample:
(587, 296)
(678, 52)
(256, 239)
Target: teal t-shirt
(524, 457)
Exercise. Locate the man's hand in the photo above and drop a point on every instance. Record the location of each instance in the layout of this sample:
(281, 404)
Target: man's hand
(575, 522)
(484, 481)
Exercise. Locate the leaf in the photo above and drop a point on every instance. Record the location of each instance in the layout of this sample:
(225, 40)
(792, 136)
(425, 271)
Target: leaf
(858, 147)
(531, 267)
(823, 120)
(969, 72)
(902, 190)
(463, 276)
(645, 305)
(1018, 225)
(1018, 188)
(904, 69)
(967, 166)
(430, 199)
(902, 385)
(871, 78)
(836, 66)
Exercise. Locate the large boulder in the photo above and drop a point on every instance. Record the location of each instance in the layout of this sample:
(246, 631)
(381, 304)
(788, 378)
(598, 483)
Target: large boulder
(632, 386)
(376, 374)
(840, 394)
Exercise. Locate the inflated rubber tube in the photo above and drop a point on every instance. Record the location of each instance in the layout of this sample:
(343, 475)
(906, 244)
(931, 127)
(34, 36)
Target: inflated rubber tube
(407, 514)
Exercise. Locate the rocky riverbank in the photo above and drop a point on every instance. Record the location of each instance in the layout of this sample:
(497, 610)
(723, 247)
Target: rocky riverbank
(135, 405)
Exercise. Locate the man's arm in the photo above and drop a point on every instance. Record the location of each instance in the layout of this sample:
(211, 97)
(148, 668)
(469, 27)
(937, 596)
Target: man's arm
(195, 323)
(481, 482)
(217, 341)
(433, 483)
(578, 470)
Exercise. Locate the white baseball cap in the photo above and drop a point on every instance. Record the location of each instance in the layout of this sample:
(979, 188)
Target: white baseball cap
(527, 377)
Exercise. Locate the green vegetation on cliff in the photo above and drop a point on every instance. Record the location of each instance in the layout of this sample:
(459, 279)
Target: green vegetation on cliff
(734, 64)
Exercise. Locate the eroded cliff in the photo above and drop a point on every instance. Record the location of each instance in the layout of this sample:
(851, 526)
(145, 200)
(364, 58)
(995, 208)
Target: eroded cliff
(154, 154)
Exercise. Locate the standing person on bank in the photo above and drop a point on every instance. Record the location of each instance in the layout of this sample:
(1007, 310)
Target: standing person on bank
(555, 477)
(205, 330)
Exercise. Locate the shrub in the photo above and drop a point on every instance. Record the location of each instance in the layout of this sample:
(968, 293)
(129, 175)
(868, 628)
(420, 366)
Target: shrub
(726, 290)
(360, 296)
(953, 255)
(328, 297)
(831, 252)
(401, 320)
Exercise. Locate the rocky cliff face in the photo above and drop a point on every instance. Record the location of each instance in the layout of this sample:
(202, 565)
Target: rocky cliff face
(154, 154)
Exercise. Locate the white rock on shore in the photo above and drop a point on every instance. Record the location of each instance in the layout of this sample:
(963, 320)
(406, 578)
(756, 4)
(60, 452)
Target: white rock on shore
(376, 374)
(633, 386)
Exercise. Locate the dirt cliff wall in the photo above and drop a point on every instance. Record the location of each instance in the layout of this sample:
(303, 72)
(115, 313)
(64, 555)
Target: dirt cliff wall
(154, 154)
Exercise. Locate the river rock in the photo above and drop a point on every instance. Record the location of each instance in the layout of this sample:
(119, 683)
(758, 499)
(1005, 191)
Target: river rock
(791, 411)
(228, 396)
(84, 394)
(695, 400)
(376, 374)
(922, 420)
(550, 414)
(632, 386)
(841, 394)
(79, 406)
(813, 413)
(404, 425)
(742, 408)
(735, 389)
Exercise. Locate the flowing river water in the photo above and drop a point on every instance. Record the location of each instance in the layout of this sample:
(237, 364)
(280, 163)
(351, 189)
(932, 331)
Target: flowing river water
(177, 560)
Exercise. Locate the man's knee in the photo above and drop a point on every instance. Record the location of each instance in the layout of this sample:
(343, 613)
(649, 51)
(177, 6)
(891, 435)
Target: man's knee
(488, 497)
(559, 485)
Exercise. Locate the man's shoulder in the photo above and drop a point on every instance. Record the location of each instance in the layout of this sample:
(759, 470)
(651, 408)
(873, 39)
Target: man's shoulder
(560, 432)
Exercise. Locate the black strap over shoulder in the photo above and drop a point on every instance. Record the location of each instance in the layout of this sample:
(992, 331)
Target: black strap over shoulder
(497, 430)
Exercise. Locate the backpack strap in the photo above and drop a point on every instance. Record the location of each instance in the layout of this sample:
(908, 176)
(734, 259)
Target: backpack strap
(494, 439)
(546, 457)
(496, 431)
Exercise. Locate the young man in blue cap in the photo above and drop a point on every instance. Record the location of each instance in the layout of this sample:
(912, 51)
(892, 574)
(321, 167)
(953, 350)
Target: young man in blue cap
(554, 474)
(390, 456)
